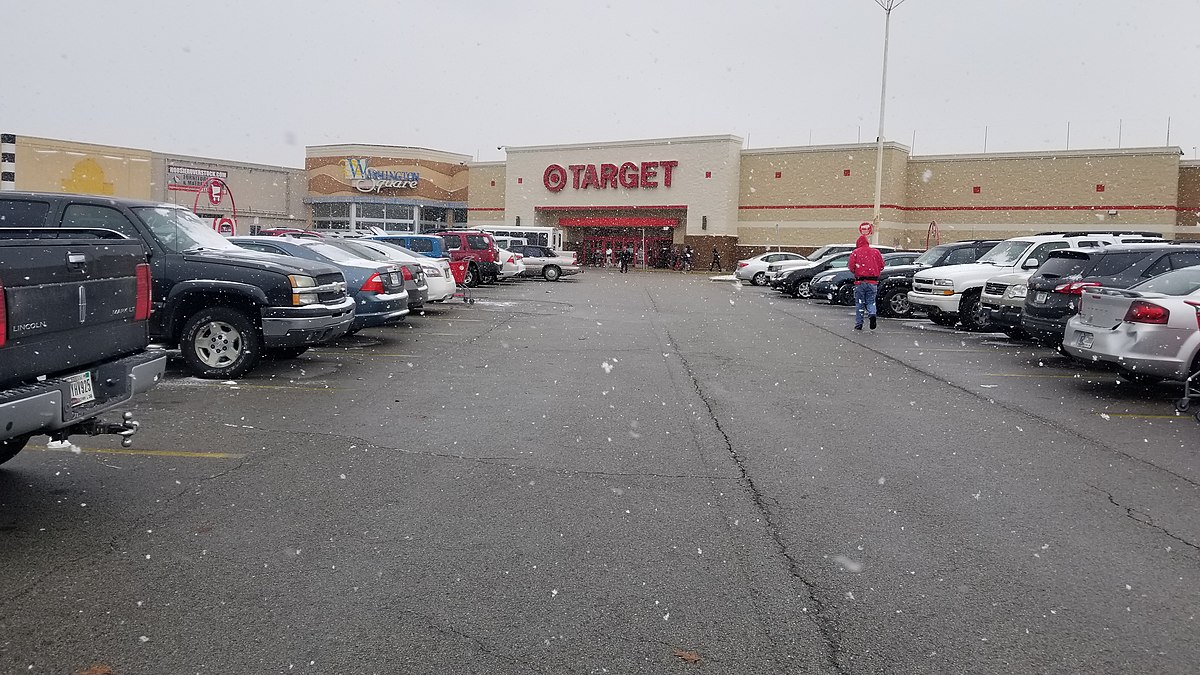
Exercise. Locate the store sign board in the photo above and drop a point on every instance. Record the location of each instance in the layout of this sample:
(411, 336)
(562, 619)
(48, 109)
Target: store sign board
(365, 179)
(190, 178)
(628, 175)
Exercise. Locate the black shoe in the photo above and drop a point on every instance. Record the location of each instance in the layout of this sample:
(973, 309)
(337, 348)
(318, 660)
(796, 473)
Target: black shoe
(872, 323)
(858, 327)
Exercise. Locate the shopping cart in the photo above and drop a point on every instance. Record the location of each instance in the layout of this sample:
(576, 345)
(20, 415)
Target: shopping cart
(459, 269)
(1190, 392)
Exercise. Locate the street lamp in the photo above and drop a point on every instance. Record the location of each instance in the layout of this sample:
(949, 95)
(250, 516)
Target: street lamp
(887, 6)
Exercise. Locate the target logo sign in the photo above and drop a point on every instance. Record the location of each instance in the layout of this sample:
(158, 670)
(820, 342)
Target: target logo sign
(866, 229)
(555, 178)
(223, 226)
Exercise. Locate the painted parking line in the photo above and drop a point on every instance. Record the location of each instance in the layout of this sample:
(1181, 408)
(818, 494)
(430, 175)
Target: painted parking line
(148, 453)
(234, 387)
(1143, 416)
(371, 355)
(1044, 375)
(936, 349)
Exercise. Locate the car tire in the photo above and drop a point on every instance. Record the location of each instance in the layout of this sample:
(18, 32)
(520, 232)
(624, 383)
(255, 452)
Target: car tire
(9, 447)
(284, 353)
(942, 318)
(894, 303)
(551, 273)
(974, 315)
(844, 294)
(803, 290)
(220, 343)
(471, 278)
(759, 279)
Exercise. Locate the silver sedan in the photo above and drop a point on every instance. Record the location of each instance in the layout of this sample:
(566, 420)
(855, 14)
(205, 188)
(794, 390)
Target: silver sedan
(1151, 330)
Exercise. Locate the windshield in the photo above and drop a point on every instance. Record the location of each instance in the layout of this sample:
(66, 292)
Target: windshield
(335, 253)
(179, 230)
(1006, 253)
(931, 256)
(1180, 282)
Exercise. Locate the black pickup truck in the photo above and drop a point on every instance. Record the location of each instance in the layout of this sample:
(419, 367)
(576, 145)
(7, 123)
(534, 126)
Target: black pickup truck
(74, 325)
(224, 307)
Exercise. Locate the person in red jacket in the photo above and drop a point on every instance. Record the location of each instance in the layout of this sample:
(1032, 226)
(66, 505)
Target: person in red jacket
(866, 263)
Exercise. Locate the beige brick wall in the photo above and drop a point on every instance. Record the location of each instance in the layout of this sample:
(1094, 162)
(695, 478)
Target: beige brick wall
(485, 193)
(1189, 195)
(47, 165)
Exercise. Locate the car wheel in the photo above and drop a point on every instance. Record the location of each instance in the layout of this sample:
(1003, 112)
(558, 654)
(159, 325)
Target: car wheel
(759, 279)
(286, 352)
(11, 446)
(974, 315)
(471, 278)
(804, 290)
(551, 273)
(942, 318)
(845, 294)
(895, 303)
(220, 343)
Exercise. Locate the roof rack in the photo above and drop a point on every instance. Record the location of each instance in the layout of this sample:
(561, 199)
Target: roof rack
(1092, 233)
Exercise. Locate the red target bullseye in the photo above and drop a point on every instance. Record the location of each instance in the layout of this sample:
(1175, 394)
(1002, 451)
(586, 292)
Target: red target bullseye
(555, 178)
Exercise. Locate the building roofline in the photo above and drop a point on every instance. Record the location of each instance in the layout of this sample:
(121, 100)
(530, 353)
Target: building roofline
(338, 149)
(839, 147)
(487, 164)
(1053, 154)
(678, 140)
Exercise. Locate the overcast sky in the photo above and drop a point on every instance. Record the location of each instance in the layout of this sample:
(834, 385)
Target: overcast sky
(258, 80)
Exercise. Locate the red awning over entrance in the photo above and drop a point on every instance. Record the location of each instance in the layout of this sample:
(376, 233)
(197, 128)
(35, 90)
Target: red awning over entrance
(613, 221)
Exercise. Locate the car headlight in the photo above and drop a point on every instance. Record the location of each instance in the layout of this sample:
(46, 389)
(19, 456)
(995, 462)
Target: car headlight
(943, 282)
(298, 282)
(826, 278)
(1016, 291)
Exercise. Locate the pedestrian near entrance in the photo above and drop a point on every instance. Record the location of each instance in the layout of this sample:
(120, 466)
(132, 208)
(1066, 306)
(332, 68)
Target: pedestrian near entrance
(626, 258)
(687, 258)
(866, 263)
(716, 261)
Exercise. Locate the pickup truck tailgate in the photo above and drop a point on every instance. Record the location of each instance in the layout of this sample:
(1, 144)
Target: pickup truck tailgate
(81, 294)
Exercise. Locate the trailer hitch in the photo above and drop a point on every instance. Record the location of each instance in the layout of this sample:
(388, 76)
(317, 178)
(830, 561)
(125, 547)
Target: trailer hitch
(126, 428)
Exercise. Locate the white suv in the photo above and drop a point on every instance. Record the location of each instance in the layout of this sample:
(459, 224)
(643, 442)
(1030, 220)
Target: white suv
(953, 293)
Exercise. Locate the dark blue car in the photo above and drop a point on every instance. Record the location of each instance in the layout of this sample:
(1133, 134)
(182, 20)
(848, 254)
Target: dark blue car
(837, 285)
(377, 287)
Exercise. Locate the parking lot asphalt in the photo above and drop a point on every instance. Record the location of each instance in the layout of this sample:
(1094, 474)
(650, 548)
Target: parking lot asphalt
(643, 473)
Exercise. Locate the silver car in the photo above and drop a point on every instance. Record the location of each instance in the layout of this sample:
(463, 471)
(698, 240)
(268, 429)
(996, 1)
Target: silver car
(1151, 330)
(542, 261)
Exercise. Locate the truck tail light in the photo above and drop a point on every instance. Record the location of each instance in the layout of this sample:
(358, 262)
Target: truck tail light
(1147, 312)
(1075, 288)
(373, 285)
(141, 310)
(3, 316)
(406, 274)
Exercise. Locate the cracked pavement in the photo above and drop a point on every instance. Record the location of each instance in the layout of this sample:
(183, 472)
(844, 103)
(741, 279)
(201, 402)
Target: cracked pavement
(590, 476)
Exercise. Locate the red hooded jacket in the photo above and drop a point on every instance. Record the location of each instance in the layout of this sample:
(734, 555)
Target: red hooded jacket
(865, 262)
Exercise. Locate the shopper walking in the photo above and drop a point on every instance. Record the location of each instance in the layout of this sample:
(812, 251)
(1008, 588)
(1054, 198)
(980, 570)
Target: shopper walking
(687, 258)
(866, 263)
(716, 261)
(626, 257)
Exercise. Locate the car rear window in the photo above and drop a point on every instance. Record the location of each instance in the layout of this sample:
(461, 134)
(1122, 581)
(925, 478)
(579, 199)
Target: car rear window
(477, 242)
(1180, 282)
(1065, 266)
(19, 213)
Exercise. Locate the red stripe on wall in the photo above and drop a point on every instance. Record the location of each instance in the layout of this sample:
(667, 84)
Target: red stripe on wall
(602, 221)
(631, 207)
(481, 208)
(1085, 207)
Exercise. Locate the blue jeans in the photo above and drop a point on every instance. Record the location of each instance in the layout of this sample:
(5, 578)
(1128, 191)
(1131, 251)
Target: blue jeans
(864, 299)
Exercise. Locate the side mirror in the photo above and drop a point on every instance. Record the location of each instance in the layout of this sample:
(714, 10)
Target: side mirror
(1031, 264)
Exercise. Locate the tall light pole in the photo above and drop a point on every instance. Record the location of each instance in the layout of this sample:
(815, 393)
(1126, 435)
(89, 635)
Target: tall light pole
(876, 214)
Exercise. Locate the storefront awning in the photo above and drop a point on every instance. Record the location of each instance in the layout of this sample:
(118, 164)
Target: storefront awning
(618, 221)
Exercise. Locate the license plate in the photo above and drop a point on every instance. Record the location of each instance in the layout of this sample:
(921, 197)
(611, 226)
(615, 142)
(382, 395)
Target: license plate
(1084, 340)
(81, 388)
(395, 278)
(1040, 298)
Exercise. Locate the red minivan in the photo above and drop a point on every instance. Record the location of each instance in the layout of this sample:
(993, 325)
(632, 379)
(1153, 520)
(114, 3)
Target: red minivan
(477, 247)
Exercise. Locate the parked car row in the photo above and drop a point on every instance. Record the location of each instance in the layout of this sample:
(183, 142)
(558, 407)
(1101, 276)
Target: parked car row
(1127, 299)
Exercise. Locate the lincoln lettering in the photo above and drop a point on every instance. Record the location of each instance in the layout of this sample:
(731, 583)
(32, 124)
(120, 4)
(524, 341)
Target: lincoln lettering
(644, 175)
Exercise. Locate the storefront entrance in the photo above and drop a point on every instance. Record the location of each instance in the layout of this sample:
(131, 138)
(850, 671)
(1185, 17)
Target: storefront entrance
(601, 251)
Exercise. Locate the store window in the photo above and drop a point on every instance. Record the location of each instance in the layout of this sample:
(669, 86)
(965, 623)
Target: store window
(331, 216)
(388, 217)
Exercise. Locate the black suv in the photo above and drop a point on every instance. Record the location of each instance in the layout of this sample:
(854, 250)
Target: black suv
(896, 282)
(223, 306)
(1055, 289)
